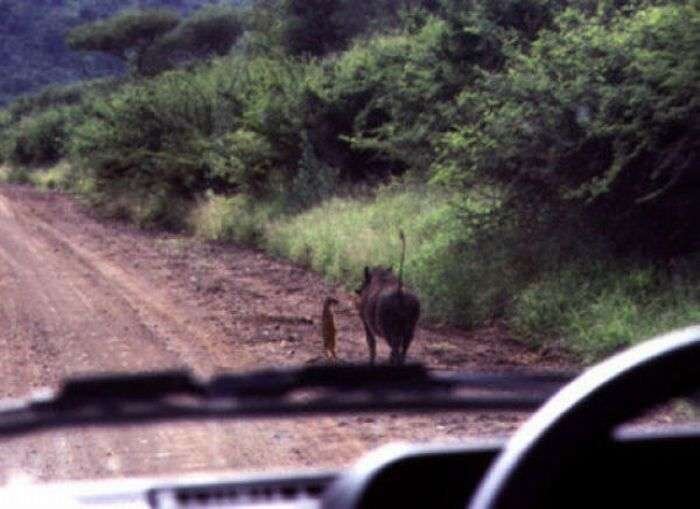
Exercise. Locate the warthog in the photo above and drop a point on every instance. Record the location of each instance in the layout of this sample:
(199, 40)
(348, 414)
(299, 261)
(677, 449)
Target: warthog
(388, 310)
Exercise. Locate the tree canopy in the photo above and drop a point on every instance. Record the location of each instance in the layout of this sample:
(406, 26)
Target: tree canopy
(127, 35)
(155, 39)
(211, 30)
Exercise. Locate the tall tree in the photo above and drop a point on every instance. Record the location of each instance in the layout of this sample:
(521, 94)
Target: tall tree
(127, 36)
(313, 27)
(209, 31)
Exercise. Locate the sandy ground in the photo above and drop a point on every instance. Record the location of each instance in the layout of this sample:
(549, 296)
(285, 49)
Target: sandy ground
(81, 296)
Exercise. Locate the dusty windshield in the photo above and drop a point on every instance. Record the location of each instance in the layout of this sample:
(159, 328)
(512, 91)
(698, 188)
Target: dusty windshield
(229, 186)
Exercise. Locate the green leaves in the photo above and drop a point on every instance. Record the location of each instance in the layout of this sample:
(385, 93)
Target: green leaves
(126, 35)
(391, 96)
(234, 126)
(41, 139)
(315, 28)
(210, 31)
(597, 115)
(154, 40)
(243, 159)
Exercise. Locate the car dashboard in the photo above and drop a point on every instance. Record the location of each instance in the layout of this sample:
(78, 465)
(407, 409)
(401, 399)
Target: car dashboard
(652, 462)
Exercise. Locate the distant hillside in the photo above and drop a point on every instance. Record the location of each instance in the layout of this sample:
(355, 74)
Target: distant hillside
(33, 53)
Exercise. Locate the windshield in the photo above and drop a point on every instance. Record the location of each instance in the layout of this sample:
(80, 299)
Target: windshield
(231, 186)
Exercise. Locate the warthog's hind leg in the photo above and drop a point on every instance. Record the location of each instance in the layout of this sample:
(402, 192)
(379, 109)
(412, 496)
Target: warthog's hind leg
(371, 344)
(396, 359)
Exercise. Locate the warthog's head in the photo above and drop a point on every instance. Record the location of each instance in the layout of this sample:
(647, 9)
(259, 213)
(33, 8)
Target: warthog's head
(376, 276)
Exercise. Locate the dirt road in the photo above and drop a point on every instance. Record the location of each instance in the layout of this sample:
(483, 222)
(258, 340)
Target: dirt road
(80, 296)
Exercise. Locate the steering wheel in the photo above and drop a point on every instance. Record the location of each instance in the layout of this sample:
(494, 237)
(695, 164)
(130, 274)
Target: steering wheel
(584, 413)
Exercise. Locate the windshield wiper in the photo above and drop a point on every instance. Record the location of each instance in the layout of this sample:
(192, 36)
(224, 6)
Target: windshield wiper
(114, 399)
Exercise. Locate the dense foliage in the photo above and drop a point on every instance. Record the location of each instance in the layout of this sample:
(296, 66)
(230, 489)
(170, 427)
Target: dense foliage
(128, 35)
(151, 41)
(319, 27)
(208, 31)
(558, 137)
(600, 118)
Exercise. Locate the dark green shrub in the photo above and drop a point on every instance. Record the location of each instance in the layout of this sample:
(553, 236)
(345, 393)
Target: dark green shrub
(49, 97)
(127, 35)
(599, 119)
(386, 102)
(56, 96)
(243, 159)
(17, 175)
(152, 135)
(210, 30)
(314, 27)
(596, 308)
(271, 97)
(6, 135)
(42, 139)
(231, 126)
(314, 181)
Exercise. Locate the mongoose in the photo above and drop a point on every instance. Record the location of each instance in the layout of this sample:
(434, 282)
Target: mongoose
(328, 330)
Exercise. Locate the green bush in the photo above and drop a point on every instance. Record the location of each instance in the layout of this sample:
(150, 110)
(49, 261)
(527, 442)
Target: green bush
(315, 27)
(231, 219)
(599, 117)
(58, 177)
(244, 160)
(598, 308)
(314, 182)
(233, 126)
(154, 137)
(41, 139)
(272, 93)
(211, 30)
(6, 136)
(16, 175)
(50, 97)
(388, 99)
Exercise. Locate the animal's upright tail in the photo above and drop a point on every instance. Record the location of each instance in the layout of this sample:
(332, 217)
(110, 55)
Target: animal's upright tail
(403, 257)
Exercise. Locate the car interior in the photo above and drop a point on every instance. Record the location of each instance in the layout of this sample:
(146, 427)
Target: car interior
(570, 453)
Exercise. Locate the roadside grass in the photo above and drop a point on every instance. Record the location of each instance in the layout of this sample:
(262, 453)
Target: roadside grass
(340, 236)
(230, 219)
(146, 209)
(343, 235)
(596, 310)
(58, 177)
(14, 175)
(151, 210)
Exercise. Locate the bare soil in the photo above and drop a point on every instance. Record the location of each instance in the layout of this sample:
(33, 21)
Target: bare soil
(81, 296)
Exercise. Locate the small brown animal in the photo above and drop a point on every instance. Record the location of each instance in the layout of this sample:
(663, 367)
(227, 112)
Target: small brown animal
(328, 331)
(388, 310)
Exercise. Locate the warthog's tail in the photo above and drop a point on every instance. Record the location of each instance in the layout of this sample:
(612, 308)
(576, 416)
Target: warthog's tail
(403, 257)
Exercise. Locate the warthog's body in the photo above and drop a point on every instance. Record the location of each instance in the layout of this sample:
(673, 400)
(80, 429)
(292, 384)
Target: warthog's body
(389, 311)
